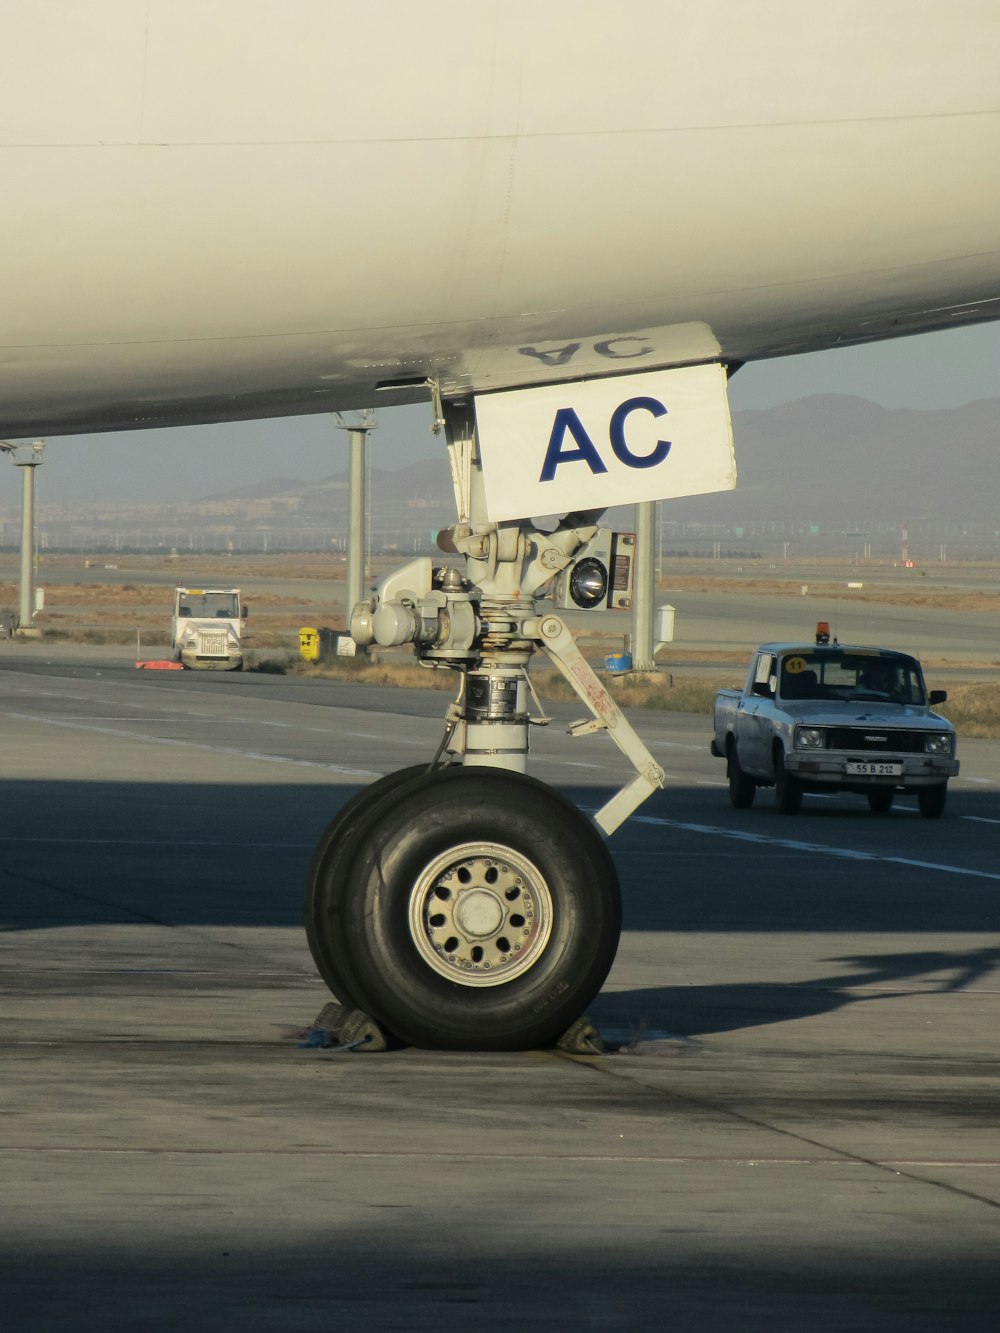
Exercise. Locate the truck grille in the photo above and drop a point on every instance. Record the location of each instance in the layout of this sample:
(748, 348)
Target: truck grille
(213, 645)
(875, 739)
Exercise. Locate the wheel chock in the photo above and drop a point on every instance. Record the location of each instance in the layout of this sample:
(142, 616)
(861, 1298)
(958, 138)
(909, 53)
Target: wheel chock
(338, 1028)
(582, 1038)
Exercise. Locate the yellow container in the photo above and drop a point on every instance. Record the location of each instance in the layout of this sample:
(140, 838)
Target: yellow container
(309, 644)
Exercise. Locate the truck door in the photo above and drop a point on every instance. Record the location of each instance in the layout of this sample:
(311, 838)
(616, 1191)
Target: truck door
(753, 717)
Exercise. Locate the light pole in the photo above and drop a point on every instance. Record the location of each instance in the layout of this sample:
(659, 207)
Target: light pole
(27, 457)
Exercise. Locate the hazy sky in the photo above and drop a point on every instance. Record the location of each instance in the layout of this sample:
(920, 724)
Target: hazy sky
(926, 371)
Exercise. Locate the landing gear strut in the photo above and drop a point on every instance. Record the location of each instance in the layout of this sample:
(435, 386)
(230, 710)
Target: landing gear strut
(464, 904)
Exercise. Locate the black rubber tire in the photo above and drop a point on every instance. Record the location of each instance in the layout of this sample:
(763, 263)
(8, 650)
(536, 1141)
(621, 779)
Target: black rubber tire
(332, 851)
(742, 788)
(386, 907)
(931, 800)
(787, 789)
(880, 800)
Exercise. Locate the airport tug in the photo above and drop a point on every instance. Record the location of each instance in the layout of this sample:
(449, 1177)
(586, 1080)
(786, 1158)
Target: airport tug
(461, 903)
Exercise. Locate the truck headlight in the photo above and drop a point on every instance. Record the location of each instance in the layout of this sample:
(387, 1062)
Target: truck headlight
(810, 738)
(938, 742)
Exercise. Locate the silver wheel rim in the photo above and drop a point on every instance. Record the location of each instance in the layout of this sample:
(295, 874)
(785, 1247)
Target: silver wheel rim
(480, 914)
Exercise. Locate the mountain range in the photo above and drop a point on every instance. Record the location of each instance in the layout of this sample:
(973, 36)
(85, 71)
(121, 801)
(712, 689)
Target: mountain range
(828, 464)
(825, 459)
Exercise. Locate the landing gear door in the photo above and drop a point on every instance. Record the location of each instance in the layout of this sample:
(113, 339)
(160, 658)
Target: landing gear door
(591, 444)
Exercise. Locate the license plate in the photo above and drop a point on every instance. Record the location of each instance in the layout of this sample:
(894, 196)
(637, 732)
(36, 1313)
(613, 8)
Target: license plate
(874, 769)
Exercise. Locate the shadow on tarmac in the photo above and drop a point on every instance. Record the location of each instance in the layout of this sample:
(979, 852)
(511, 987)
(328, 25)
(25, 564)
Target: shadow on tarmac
(83, 853)
(474, 1277)
(700, 1011)
(178, 854)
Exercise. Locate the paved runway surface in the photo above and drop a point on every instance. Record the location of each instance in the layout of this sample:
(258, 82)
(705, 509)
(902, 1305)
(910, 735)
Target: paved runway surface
(800, 1128)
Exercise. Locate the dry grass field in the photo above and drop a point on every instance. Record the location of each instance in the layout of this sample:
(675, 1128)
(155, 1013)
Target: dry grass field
(128, 600)
(973, 706)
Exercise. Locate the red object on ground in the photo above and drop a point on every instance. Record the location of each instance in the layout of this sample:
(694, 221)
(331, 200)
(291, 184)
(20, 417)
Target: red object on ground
(159, 666)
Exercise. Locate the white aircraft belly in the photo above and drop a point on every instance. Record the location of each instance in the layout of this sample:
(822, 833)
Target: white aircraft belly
(246, 208)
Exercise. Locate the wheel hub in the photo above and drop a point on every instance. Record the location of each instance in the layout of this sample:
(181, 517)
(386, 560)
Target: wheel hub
(480, 914)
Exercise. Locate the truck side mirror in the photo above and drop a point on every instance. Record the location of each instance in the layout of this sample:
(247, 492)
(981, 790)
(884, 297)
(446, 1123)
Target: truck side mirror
(938, 697)
(244, 612)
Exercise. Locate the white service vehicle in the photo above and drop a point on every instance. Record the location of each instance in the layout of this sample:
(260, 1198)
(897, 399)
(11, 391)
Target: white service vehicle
(208, 628)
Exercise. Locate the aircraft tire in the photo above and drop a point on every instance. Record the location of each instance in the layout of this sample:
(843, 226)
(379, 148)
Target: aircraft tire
(742, 788)
(480, 911)
(332, 852)
(787, 789)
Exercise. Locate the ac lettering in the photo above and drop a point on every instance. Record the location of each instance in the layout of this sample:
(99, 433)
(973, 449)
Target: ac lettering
(558, 356)
(612, 349)
(617, 432)
(567, 422)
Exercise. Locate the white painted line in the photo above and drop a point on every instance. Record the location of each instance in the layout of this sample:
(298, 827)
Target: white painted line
(814, 848)
(933, 865)
(155, 842)
(980, 819)
(396, 740)
(121, 734)
(125, 703)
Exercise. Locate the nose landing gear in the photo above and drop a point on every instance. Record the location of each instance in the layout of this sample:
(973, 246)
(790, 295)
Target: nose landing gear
(467, 905)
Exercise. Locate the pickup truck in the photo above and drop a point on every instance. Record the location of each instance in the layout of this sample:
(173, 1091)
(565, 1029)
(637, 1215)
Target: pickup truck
(835, 718)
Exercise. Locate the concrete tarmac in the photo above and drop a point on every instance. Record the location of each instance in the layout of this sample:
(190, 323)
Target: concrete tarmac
(797, 1126)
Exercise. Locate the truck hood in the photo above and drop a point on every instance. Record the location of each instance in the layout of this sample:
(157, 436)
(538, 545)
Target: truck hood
(831, 713)
(209, 622)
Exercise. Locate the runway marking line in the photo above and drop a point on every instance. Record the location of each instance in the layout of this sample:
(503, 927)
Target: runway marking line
(832, 1158)
(194, 745)
(153, 842)
(793, 845)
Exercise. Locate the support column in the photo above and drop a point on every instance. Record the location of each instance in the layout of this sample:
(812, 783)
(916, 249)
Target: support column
(356, 532)
(27, 457)
(356, 511)
(26, 610)
(643, 610)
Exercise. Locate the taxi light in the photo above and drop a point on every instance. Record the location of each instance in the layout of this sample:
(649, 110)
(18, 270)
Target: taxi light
(810, 738)
(601, 575)
(588, 584)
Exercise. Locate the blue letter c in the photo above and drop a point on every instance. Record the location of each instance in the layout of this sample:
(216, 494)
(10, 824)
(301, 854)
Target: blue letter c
(617, 432)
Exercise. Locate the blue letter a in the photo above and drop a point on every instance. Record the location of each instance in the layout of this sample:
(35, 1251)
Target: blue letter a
(567, 420)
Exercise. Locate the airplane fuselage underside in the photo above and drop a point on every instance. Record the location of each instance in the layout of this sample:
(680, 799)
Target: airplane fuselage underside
(250, 210)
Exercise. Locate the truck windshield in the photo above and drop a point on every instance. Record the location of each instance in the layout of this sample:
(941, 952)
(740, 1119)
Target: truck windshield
(208, 605)
(847, 675)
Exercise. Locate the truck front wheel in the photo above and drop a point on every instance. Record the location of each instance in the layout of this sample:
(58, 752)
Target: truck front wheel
(931, 800)
(787, 789)
(742, 788)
